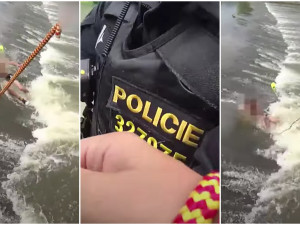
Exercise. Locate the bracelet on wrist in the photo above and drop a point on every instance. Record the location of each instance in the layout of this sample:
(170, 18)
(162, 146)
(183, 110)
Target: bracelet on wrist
(203, 203)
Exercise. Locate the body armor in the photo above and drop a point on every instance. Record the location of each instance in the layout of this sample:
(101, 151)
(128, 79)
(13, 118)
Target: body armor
(159, 78)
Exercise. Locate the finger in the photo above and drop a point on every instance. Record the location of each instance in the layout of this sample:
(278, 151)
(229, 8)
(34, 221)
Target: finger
(113, 152)
(122, 151)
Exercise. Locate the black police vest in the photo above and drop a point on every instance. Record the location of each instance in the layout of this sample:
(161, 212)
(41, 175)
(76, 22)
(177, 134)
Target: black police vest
(165, 91)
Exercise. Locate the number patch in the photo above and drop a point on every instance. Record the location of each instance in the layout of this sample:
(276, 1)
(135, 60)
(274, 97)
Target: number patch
(130, 127)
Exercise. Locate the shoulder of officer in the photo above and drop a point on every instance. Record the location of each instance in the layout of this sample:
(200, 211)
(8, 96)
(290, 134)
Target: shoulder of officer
(95, 14)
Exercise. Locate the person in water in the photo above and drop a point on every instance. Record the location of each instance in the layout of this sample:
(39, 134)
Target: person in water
(251, 111)
(4, 62)
(269, 120)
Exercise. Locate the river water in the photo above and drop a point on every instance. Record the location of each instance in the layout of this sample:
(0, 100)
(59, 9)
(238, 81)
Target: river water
(261, 170)
(39, 143)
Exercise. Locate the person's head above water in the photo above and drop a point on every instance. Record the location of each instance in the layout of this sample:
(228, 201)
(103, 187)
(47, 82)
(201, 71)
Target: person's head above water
(273, 86)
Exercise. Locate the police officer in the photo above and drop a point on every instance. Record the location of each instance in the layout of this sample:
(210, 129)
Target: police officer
(153, 69)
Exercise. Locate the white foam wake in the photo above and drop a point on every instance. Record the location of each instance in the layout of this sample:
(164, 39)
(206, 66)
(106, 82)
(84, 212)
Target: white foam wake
(56, 136)
(281, 189)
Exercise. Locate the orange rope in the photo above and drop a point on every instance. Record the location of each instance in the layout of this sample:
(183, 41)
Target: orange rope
(54, 30)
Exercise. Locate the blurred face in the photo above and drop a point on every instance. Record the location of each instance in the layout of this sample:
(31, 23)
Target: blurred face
(3, 62)
(2, 68)
(2, 55)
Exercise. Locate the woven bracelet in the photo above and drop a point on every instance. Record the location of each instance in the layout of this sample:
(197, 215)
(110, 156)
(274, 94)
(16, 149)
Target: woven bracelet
(203, 203)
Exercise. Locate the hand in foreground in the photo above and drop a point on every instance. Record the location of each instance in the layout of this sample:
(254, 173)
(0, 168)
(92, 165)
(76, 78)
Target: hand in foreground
(123, 179)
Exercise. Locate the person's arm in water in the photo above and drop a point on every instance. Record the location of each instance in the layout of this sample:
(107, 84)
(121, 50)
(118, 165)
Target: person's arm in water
(14, 94)
(14, 63)
(125, 180)
(20, 86)
(273, 119)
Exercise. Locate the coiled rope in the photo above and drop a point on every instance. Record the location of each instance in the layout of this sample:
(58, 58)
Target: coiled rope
(56, 29)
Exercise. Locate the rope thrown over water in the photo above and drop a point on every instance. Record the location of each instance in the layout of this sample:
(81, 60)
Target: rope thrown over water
(292, 124)
(56, 29)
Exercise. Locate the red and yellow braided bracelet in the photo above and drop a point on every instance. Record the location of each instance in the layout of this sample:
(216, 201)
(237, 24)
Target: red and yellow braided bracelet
(203, 203)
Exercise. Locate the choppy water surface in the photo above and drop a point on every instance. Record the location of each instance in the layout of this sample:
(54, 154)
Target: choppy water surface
(261, 170)
(39, 142)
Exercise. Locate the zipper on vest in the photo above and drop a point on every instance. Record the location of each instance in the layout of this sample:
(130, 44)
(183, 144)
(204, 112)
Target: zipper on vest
(115, 30)
(146, 6)
(105, 53)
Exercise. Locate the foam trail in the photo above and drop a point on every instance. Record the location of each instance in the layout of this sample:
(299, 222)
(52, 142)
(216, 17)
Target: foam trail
(280, 193)
(56, 138)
